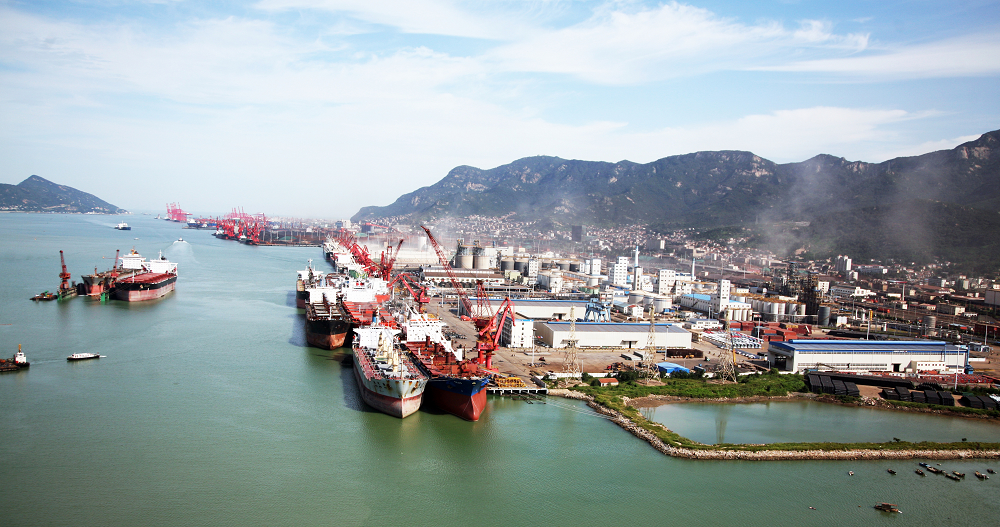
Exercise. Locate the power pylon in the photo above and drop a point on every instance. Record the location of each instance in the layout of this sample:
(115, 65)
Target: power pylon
(727, 363)
(650, 363)
(572, 362)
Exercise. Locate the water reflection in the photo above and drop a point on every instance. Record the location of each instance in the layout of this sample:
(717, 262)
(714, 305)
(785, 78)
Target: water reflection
(721, 418)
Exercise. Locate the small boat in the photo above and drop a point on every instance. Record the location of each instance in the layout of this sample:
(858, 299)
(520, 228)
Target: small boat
(952, 476)
(83, 356)
(123, 226)
(957, 473)
(887, 507)
(923, 464)
(991, 471)
(891, 471)
(920, 472)
(850, 473)
(935, 470)
(45, 296)
(180, 239)
(980, 475)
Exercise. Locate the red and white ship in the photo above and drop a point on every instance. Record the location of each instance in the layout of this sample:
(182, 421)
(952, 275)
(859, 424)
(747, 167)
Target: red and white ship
(152, 278)
(387, 376)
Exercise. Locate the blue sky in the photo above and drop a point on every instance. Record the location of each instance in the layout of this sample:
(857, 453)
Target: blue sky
(314, 108)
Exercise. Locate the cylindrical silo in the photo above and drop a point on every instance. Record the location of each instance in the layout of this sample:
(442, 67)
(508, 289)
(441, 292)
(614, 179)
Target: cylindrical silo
(930, 321)
(563, 265)
(635, 297)
(507, 264)
(823, 316)
(464, 261)
(521, 265)
(574, 266)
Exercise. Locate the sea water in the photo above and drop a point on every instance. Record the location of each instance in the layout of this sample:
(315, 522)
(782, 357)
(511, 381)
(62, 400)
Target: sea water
(208, 408)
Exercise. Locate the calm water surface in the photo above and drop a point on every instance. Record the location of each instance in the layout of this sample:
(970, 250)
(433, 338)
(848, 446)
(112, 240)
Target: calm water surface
(810, 421)
(209, 409)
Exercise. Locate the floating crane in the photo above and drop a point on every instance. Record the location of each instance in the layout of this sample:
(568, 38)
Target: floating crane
(65, 289)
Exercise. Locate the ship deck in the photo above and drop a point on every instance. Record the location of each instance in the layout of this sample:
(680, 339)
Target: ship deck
(360, 313)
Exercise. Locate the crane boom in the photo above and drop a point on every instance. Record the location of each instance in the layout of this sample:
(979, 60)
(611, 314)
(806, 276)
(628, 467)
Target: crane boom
(462, 295)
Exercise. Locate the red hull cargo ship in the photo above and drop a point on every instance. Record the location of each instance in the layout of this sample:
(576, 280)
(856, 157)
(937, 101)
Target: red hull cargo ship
(456, 386)
(152, 279)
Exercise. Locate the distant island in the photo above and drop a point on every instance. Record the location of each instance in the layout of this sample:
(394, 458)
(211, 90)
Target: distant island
(37, 194)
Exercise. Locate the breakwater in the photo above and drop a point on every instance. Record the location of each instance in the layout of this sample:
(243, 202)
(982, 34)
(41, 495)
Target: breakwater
(722, 453)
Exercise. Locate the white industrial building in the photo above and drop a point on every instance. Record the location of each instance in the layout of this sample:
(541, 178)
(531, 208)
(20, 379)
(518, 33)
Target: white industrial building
(518, 333)
(612, 335)
(543, 309)
(859, 356)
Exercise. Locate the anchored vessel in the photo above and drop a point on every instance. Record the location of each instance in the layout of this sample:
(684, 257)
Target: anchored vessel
(152, 279)
(456, 386)
(387, 377)
(326, 325)
(19, 361)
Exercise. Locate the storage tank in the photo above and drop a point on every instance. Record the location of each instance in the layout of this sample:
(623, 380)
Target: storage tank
(464, 261)
(930, 321)
(800, 310)
(661, 303)
(563, 265)
(635, 297)
(574, 266)
(823, 316)
(593, 281)
(521, 265)
(481, 261)
(507, 264)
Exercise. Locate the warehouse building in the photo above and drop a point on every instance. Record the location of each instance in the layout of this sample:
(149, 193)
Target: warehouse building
(858, 356)
(544, 309)
(611, 335)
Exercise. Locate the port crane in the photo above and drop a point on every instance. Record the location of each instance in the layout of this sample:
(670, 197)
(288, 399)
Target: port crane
(487, 328)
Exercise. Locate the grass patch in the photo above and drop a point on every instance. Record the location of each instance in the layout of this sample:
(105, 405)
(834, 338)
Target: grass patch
(951, 409)
(768, 385)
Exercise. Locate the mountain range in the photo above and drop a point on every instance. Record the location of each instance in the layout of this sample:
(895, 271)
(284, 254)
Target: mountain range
(872, 208)
(37, 194)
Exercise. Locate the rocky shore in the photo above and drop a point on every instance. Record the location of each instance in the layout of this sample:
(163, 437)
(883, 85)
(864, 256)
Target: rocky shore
(767, 455)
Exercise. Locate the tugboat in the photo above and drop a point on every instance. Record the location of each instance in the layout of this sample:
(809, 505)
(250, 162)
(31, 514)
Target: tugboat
(887, 507)
(45, 296)
(15, 363)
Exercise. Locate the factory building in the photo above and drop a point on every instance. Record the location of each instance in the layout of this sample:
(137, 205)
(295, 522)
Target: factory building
(543, 309)
(858, 356)
(611, 335)
(439, 277)
(665, 280)
(517, 333)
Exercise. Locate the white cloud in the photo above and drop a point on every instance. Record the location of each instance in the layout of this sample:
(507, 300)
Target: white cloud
(965, 56)
(436, 17)
(626, 46)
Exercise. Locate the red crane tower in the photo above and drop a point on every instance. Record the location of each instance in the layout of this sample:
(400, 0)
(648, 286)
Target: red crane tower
(65, 289)
(486, 325)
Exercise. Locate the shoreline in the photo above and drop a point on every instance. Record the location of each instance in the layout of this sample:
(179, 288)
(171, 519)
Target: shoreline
(721, 453)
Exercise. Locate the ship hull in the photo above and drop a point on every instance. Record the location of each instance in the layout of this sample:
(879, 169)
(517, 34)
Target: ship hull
(327, 334)
(465, 398)
(398, 398)
(144, 288)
